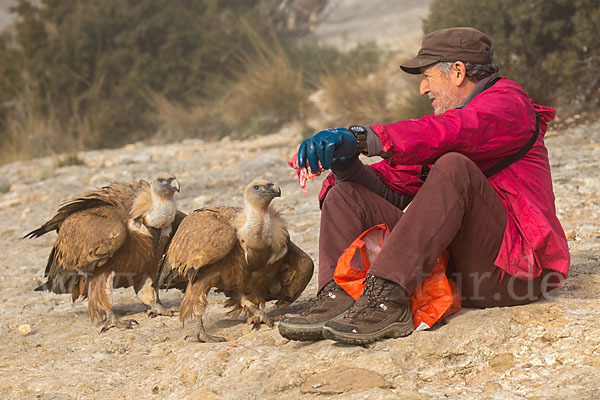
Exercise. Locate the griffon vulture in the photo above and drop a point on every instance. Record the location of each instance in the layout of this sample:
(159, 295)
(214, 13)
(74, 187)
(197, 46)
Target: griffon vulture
(244, 252)
(112, 237)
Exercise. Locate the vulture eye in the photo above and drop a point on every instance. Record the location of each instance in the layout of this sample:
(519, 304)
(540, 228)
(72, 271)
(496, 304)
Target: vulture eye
(256, 187)
(161, 180)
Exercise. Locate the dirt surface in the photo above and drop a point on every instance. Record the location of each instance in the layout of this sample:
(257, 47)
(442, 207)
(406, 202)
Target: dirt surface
(49, 349)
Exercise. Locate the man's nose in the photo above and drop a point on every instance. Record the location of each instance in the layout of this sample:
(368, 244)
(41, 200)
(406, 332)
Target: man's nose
(424, 87)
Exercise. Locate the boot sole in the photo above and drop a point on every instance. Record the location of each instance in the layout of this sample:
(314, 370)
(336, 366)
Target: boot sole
(304, 332)
(394, 330)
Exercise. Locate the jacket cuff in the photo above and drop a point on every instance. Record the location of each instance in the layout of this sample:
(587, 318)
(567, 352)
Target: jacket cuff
(386, 143)
(374, 145)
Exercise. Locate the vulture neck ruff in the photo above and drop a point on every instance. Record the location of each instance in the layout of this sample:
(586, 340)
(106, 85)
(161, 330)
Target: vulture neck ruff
(162, 210)
(256, 225)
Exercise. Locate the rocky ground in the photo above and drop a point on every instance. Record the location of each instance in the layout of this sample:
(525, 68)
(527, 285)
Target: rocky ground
(49, 349)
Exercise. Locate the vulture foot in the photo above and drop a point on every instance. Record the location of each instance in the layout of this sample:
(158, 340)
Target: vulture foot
(203, 337)
(157, 309)
(260, 317)
(114, 322)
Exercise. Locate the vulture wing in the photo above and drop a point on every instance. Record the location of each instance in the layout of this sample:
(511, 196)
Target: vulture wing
(91, 228)
(86, 240)
(203, 238)
(119, 195)
(293, 276)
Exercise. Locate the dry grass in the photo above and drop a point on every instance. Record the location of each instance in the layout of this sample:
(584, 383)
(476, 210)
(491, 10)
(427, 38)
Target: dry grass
(266, 94)
(176, 121)
(269, 93)
(379, 97)
(28, 134)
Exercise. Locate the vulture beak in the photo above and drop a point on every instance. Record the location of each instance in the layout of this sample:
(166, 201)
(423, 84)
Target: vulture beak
(174, 184)
(274, 190)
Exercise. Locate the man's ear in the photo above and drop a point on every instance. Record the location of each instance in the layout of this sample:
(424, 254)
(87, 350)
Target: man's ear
(458, 73)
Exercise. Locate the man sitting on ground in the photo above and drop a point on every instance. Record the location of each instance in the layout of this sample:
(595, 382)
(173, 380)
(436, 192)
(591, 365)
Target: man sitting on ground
(477, 178)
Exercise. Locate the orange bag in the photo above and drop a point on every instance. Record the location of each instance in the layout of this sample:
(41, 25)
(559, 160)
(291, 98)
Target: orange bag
(434, 300)
(353, 264)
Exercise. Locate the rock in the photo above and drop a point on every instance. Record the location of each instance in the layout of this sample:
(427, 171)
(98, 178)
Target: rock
(26, 211)
(542, 315)
(502, 362)
(344, 380)
(201, 201)
(189, 375)
(207, 394)
(492, 387)
(25, 329)
(15, 200)
(4, 184)
(141, 158)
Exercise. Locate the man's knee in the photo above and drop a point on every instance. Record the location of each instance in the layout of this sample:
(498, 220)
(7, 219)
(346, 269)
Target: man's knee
(456, 167)
(453, 161)
(342, 190)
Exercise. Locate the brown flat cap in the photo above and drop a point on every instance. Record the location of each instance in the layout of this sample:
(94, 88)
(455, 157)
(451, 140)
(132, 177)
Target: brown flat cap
(449, 45)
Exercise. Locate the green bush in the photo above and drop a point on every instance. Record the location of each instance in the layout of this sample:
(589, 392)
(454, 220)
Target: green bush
(551, 47)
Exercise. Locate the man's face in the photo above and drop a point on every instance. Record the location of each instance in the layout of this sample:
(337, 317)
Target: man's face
(440, 89)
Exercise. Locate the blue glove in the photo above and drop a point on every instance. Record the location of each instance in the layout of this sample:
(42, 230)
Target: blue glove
(329, 146)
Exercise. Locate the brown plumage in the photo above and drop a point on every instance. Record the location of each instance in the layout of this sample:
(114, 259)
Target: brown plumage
(112, 237)
(244, 252)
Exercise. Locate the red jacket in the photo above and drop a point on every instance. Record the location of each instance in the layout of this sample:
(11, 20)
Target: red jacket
(494, 125)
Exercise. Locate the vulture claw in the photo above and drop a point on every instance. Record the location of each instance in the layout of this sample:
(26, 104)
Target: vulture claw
(117, 323)
(260, 318)
(158, 309)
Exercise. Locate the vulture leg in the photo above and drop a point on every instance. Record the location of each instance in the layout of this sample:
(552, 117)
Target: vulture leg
(148, 295)
(257, 315)
(194, 304)
(201, 336)
(234, 303)
(100, 304)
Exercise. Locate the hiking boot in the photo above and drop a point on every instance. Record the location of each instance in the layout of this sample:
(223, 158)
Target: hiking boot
(381, 311)
(331, 302)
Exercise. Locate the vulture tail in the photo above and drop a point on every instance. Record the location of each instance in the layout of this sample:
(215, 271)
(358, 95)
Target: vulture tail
(36, 233)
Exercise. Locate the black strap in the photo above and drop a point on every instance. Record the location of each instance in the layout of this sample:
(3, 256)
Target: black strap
(491, 83)
(504, 163)
(517, 156)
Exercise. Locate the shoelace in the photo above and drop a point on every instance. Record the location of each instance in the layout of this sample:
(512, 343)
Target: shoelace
(372, 292)
(322, 297)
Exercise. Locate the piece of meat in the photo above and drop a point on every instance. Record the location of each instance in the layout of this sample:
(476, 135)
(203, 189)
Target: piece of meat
(303, 173)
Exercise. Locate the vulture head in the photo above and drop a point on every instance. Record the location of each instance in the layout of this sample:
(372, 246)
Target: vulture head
(165, 185)
(259, 193)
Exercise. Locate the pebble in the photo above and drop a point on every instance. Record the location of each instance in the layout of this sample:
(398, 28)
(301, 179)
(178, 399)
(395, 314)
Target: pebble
(25, 329)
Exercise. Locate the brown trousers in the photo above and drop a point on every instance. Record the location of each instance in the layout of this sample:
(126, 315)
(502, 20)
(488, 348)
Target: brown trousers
(455, 209)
